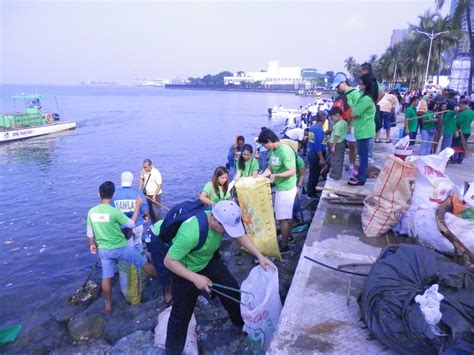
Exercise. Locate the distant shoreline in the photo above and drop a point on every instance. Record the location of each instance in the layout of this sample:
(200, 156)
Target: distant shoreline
(226, 88)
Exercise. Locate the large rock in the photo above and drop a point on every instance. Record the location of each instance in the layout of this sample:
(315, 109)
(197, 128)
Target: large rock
(99, 347)
(139, 343)
(89, 324)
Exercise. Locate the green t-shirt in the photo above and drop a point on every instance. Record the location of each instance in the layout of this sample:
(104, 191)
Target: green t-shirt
(449, 122)
(427, 116)
(250, 166)
(212, 195)
(412, 124)
(364, 126)
(352, 96)
(299, 166)
(339, 129)
(105, 222)
(464, 120)
(187, 239)
(283, 159)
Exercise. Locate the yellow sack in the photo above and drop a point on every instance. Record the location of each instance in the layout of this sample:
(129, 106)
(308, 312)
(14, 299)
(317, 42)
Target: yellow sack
(255, 199)
(132, 282)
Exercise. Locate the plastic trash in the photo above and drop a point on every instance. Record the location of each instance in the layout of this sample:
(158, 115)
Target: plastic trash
(430, 302)
(301, 228)
(190, 347)
(9, 334)
(263, 307)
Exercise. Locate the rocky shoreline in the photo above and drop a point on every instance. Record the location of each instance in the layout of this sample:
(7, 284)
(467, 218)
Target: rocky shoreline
(130, 328)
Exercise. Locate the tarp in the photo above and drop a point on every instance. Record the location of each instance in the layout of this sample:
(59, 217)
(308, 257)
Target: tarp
(255, 200)
(388, 301)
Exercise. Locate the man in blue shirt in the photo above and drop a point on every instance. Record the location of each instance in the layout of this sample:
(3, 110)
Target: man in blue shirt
(125, 199)
(316, 152)
(233, 155)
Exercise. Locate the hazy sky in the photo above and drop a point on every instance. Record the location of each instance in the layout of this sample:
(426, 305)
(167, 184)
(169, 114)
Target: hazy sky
(66, 42)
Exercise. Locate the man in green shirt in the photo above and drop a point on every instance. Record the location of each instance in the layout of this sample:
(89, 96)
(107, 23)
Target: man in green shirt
(411, 119)
(428, 129)
(194, 271)
(449, 126)
(103, 228)
(463, 122)
(337, 143)
(281, 170)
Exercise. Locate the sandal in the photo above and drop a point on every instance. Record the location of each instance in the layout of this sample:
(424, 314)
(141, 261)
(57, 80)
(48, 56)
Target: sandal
(355, 182)
(388, 141)
(378, 141)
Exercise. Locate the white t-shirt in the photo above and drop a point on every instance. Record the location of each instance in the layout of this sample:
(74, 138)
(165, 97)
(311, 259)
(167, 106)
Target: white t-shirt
(153, 182)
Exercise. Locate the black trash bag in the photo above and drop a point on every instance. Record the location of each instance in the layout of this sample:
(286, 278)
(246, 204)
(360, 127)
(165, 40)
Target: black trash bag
(388, 303)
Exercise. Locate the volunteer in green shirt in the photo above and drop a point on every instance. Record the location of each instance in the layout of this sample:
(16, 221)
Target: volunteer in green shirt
(247, 165)
(337, 143)
(463, 122)
(299, 185)
(363, 113)
(411, 120)
(194, 271)
(104, 224)
(449, 126)
(428, 129)
(217, 189)
(281, 170)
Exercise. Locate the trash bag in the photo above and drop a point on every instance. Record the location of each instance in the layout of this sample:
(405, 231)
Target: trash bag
(190, 347)
(261, 308)
(255, 200)
(132, 282)
(432, 186)
(390, 199)
(389, 309)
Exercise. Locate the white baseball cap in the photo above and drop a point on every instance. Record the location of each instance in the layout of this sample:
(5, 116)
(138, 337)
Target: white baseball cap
(126, 179)
(229, 215)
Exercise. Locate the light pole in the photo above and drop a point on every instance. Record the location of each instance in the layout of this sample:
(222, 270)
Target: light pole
(431, 36)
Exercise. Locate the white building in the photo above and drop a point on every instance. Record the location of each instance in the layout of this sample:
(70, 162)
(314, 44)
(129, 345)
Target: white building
(275, 75)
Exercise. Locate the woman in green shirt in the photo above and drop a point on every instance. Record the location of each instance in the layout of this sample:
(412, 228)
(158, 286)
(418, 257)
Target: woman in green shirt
(363, 113)
(247, 165)
(449, 126)
(428, 130)
(217, 189)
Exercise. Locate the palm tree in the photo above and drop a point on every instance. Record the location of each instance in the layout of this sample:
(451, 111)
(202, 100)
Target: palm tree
(350, 64)
(463, 8)
(446, 42)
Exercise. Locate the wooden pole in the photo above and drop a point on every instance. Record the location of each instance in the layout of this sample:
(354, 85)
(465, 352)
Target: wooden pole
(157, 203)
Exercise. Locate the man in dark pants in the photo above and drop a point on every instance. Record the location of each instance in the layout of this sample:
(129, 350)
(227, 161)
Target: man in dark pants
(194, 271)
(316, 153)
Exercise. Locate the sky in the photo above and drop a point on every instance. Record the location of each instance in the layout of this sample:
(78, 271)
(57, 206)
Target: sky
(67, 42)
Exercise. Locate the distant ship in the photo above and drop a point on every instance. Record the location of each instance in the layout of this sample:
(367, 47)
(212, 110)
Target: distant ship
(91, 82)
(160, 82)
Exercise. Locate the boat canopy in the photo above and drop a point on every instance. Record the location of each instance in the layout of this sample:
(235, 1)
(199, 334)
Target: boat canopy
(32, 97)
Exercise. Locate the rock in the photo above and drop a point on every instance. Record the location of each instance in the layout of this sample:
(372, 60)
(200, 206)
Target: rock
(64, 311)
(89, 324)
(99, 347)
(140, 343)
(126, 319)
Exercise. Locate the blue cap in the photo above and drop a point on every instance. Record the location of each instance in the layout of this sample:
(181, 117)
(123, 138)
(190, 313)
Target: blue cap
(339, 78)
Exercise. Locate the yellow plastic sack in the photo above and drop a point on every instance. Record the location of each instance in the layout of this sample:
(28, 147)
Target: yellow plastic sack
(255, 199)
(132, 282)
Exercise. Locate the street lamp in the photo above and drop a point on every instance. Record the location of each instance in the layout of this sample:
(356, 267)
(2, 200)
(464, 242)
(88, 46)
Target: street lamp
(431, 36)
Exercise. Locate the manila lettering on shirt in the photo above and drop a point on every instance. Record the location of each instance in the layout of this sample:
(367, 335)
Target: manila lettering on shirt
(125, 205)
(100, 217)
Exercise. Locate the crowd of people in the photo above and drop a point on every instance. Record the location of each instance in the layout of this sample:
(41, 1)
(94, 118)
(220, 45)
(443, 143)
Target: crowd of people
(353, 120)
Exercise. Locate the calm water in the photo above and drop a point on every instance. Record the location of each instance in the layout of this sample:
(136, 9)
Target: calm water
(47, 184)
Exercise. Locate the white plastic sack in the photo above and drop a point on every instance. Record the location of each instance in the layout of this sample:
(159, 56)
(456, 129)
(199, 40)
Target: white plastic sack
(429, 303)
(190, 347)
(263, 306)
(432, 186)
(422, 225)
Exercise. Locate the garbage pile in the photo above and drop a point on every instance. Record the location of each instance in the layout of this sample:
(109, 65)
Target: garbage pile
(417, 301)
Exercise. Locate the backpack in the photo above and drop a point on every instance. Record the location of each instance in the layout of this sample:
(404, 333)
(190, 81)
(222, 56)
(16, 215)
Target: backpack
(176, 216)
(342, 103)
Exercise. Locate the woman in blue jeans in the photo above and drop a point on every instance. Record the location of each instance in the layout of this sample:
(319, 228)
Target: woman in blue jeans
(363, 113)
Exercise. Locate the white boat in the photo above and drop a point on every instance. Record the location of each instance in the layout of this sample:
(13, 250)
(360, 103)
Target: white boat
(283, 113)
(33, 122)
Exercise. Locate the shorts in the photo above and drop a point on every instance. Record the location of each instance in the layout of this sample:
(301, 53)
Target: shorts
(109, 257)
(350, 135)
(136, 240)
(284, 201)
(386, 119)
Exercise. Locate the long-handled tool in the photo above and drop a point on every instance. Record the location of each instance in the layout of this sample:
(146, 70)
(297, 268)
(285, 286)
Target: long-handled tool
(231, 289)
(227, 296)
(157, 203)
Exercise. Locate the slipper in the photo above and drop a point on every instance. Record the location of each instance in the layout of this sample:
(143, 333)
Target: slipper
(378, 141)
(388, 141)
(355, 182)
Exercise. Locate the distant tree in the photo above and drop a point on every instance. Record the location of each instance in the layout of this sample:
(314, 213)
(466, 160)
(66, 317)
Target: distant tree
(330, 76)
(352, 67)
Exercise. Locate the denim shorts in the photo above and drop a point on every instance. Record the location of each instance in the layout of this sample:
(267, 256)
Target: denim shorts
(109, 257)
(386, 119)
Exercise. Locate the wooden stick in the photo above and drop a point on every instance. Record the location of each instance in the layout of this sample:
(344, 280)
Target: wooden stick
(415, 140)
(343, 193)
(467, 151)
(157, 203)
(412, 119)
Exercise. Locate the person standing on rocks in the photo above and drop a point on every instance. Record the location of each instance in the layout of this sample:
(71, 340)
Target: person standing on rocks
(150, 179)
(194, 271)
(282, 170)
(103, 227)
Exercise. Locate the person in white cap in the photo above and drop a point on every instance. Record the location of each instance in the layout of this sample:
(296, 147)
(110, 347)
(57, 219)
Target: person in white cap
(126, 200)
(196, 271)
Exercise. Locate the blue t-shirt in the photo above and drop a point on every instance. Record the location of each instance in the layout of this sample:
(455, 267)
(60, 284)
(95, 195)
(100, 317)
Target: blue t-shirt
(124, 199)
(315, 139)
(230, 155)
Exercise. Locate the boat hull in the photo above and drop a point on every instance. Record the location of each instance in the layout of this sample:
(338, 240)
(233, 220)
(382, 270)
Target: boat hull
(34, 131)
